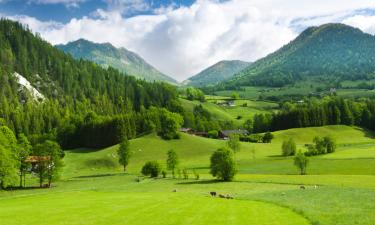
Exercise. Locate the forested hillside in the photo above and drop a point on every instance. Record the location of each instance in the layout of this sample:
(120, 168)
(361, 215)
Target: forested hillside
(328, 53)
(120, 58)
(78, 95)
(219, 72)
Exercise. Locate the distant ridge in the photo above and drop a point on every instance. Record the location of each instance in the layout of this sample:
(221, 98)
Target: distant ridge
(120, 58)
(332, 52)
(216, 73)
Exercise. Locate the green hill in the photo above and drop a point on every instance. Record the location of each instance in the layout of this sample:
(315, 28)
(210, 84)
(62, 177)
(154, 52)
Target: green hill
(328, 53)
(195, 151)
(217, 73)
(266, 190)
(120, 58)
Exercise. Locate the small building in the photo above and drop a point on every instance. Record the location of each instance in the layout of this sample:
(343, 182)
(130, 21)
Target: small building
(37, 160)
(228, 103)
(224, 134)
(200, 133)
(186, 130)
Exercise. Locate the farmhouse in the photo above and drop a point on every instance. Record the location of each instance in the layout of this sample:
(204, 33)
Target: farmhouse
(37, 160)
(224, 134)
(229, 103)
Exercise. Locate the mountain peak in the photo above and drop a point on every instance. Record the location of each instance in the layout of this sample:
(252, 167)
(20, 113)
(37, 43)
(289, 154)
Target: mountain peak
(105, 54)
(216, 73)
(330, 51)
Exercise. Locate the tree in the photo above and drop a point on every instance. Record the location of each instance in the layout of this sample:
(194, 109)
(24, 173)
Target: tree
(172, 161)
(151, 168)
(301, 162)
(170, 123)
(124, 153)
(49, 163)
(330, 144)
(8, 162)
(223, 165)
(235, 95)
(248, 125)
(319, 145)
(213, 134)
(288, 147)
(24, 150)
(234, 143)
(267, 138)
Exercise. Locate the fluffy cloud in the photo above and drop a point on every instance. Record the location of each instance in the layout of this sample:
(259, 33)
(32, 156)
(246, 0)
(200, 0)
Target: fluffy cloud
(182, 41)
(365, 23)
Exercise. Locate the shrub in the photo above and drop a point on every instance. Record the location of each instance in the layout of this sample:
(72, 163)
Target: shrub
(196, 175)
(164, 173)
(223, 165)
(253, 138)
(213, 134)
(151, 169)
(185, 173)
(288, 147)
(267, 138)
(301, 162)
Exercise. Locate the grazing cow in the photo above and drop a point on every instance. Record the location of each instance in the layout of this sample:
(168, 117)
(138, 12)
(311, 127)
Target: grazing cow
(213, 193)
(221, 196)
(302, 187)
(174, 190)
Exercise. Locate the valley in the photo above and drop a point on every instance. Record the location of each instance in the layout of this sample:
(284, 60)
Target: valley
(93, 134)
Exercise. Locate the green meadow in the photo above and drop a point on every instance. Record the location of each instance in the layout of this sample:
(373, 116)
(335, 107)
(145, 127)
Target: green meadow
(340, 187)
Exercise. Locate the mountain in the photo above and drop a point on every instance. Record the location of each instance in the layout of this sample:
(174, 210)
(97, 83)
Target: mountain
(217, 73)
(120, 58)
(43, 88)
(331, 52)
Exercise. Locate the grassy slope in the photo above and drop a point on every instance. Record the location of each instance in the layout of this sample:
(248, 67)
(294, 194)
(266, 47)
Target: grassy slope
(231, 113)
(344, 190)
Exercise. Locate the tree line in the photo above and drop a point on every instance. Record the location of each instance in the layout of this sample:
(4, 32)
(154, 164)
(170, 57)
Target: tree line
(313, 113)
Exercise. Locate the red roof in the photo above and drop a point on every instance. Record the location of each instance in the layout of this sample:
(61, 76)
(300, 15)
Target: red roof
(32, 158)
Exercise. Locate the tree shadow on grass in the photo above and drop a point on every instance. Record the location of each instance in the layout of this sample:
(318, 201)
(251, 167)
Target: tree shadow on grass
(84, 150)
(200, 182)
(368, 133)
(276, 156)
(99, 175)
(25, 188)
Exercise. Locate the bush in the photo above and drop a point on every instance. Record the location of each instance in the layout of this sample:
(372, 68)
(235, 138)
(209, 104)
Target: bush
(253, 138)
(164, 173)
(196, 175)
(321, 146)
(223, 165)
(151, 169)
(267, 138)
(213, 134)
(301, 161)
(186, 174)
(289, 147)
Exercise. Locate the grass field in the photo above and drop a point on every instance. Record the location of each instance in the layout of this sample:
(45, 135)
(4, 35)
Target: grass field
(340, 187)
(238, 113)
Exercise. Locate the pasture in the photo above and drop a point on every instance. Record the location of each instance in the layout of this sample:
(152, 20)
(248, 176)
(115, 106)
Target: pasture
(339, 187)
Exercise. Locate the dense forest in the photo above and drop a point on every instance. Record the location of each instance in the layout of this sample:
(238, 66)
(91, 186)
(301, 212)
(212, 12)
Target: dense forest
(314, 113)
(74, 90)
(329, 53)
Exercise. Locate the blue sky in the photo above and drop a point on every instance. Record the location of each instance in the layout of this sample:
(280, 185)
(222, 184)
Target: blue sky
(65, 10)
(183, 37)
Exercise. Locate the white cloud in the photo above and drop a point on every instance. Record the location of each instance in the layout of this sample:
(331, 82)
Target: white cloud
(182, 41)
(365, 23)
(68, 3)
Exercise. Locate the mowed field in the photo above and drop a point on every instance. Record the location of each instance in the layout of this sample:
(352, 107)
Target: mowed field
(340, 187)
(238, 113)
